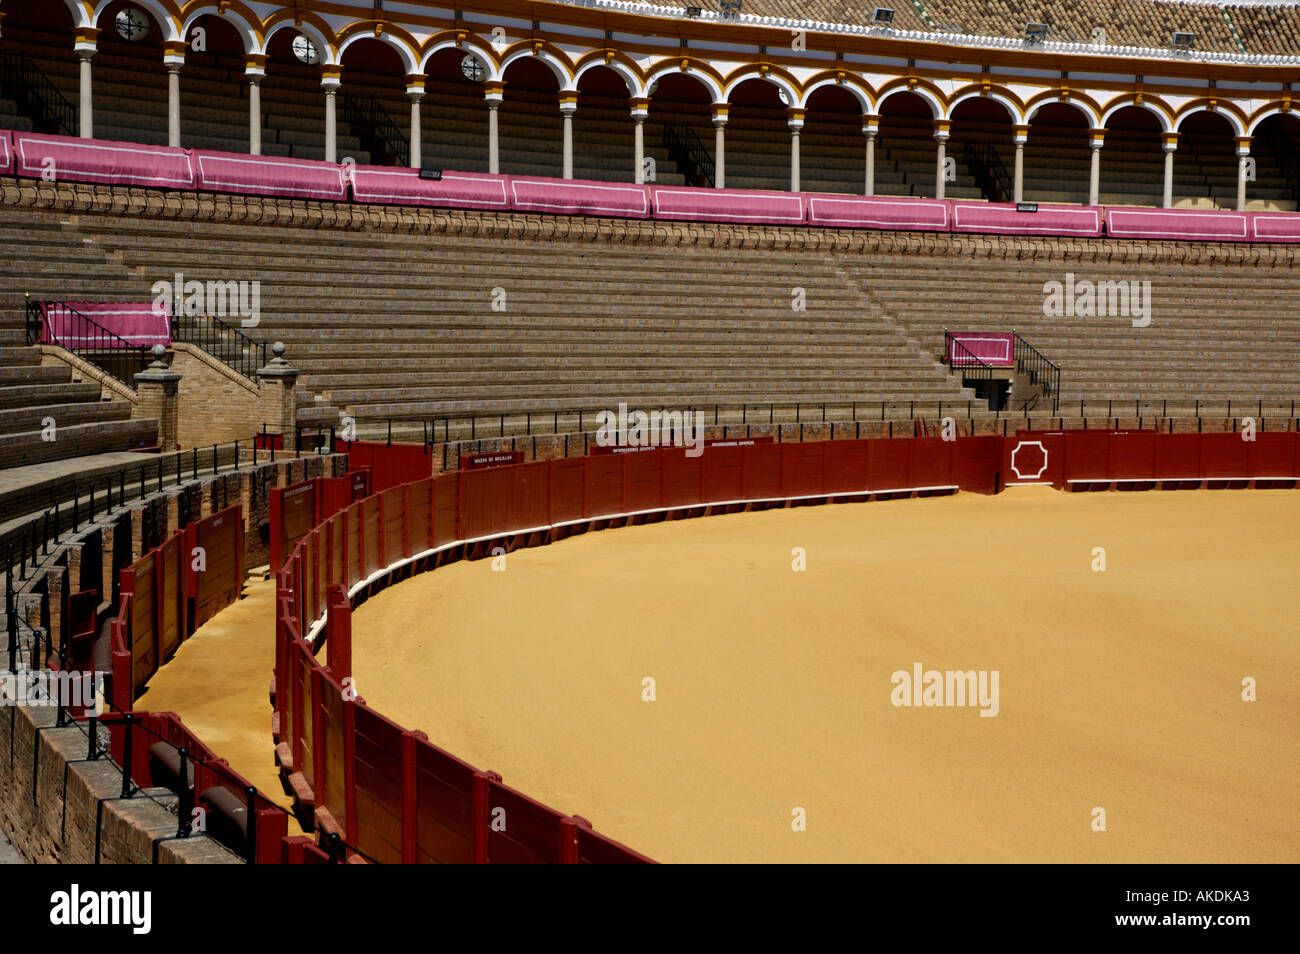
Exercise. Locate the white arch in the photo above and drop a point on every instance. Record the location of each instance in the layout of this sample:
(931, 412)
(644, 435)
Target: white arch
(81, 16)
(858, 93)
(1279, 111)
(233, 16)
(408, 56)
(792, 97)
(667, 67)
(484, 52)
(1089, 114)
(561, 71)
(630, 79)
(1237, 128)
(1013, 111)
(323, 46)
(1159, 114)
(936, 105)
(161, 16)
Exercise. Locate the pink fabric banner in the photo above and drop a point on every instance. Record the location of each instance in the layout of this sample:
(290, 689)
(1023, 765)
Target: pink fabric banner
(1275, 226)
(995, 348)
(134, 322)
(1179, 224)
(459, 190)
(269, 175)
(1048, 220)
(6, 152)
(930, 215)
(579, 197)
(728, 205)
(95, 160)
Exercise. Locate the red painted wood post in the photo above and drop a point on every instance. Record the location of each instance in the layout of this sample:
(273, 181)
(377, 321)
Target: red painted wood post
(406, 521)
(569, 840)
(482, 814)
(410, 819)
(349, 822)
(317, 702)
(338, 645)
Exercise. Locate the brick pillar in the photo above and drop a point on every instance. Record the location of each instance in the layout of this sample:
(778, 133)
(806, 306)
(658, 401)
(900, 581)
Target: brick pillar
(279, 404)
(157, 388)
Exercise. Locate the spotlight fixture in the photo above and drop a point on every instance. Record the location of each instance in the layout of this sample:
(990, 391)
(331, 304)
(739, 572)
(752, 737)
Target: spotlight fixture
(693, 11)
(882, 15)
(429, 172)
(1184, 41)
(1035, 32)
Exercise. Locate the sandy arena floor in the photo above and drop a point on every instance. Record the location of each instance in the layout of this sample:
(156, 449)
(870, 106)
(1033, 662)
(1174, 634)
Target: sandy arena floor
(1119, 690)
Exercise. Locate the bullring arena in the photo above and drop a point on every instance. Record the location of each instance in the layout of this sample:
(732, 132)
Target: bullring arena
(610, 432)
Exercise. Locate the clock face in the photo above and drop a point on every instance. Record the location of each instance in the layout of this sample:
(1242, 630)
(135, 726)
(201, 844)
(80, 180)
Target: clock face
(305, 50)
(132, 24)
(472, 68)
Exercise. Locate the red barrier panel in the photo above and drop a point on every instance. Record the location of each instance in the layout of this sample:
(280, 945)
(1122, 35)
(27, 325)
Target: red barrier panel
(643, 482)
(724, 473)
(392, 504)
(371, 534)
(977, 463)
(170, 596)
(444, 790)
(1271, 455)
(889, 464)
(1178, 457)
(762, 473)
(268, 175)
(846, 467)
(1034, 457)
(141, 582)
(446, 508)
(929, 462)
(530, 500)
(419, 516)
(568, 487)
(294, 511)
(801, 469)
(378, 767)
(1087, 455)
(1224, 455)
(485, 501)
(390, 464)
(604, 489)
(683, 476)
(1132, 455)
(579, 197)
(521, 830)
(595, 849)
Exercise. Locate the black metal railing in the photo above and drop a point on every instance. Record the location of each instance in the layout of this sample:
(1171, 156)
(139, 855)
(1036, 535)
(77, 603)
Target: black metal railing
(86, 338)
(975, 372)
(227, 344)
(35, 96)
(368, 119)
(693, 158)
(1041, 370)
(989, 171)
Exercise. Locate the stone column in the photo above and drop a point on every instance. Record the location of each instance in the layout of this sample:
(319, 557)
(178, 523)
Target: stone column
(330, 81)
(276, 382)
(1095, 141)
(941, 160)
(173, 59)
(254, 70)
(157, 390)
(1019, 137)
(415, 92)
(794, 119)
(640, 110)
(568, 106)
(719, 145)
(493, 93)
(1170, 146)
(1243, 163)
(85, 49)
(870, 128)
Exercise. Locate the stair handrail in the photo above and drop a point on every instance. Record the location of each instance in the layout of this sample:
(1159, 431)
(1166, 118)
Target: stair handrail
(239, 352)
(369, 112)
(1040, 368)
(984, 161)
(19, 71)
(683, 140)
(105, 341)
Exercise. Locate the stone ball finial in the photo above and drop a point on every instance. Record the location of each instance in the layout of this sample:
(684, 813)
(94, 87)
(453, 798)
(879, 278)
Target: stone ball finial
(278, 349)
(158, 351)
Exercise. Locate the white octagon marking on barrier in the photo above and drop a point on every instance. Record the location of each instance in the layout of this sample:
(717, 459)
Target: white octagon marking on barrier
(1016, 470)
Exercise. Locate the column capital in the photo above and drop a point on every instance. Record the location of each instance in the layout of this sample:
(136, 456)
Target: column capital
(941, 128)
(331, 78)
(720, 111)
(1169, 141)
(794, 118)
(415, 83)
(568, 102)
(493, 93)
(86, 41)
(1019, 134)
(173, 55)
(640, 107)
(1243, 145)
(870, 124)
(1096, 138)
